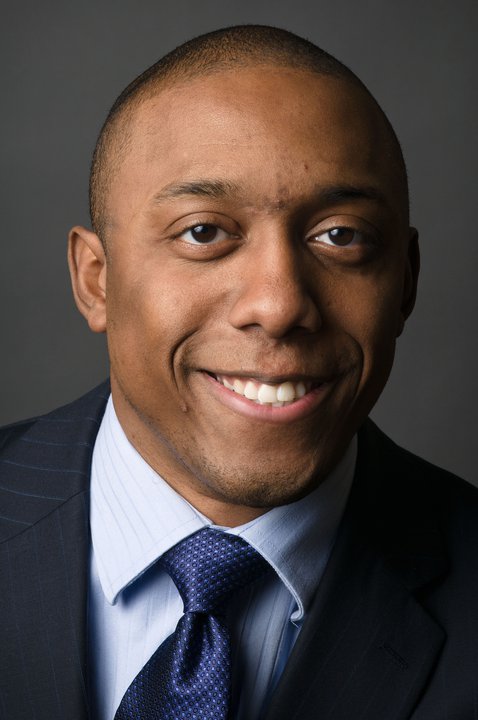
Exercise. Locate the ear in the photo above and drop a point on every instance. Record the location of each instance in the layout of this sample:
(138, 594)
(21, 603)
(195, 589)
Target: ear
(411, 278)
(87, 263)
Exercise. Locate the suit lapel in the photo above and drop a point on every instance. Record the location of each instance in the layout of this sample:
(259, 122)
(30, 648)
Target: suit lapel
(43, 563)
(367, 647)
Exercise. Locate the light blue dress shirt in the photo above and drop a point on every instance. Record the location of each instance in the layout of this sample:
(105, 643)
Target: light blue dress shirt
(134, 605)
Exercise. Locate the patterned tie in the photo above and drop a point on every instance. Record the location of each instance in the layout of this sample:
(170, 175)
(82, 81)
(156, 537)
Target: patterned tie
(189, 675)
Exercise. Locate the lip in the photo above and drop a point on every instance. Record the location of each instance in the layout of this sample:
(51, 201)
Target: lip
(268, 379)
(297, 410)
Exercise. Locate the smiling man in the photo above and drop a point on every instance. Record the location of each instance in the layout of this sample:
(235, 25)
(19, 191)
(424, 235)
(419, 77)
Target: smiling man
(258, 548)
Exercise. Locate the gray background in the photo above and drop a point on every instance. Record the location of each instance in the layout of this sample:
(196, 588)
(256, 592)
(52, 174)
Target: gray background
(64, 63)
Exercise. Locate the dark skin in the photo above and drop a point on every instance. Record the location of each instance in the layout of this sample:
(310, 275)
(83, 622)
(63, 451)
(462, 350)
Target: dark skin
(304, 269)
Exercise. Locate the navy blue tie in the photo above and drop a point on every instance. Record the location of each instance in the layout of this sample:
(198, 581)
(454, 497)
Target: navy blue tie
(189, 675)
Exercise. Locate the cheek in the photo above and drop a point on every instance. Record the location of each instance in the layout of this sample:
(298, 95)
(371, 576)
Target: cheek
(151, 315)
(367, 310)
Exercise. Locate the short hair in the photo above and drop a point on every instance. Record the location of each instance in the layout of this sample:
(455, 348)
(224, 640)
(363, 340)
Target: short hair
(213, 52)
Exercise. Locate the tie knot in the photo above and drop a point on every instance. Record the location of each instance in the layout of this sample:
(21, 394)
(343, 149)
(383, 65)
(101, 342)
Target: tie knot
(209, 566)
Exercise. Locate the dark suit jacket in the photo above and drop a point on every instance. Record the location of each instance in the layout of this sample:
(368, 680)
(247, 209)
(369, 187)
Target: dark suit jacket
(393, 630)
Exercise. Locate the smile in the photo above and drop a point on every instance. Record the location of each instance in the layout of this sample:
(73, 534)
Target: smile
(284, 401)
(273, 394)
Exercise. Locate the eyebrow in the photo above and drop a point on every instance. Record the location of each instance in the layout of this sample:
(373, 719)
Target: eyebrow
(337, 193)
(201, 188)
(216, 188)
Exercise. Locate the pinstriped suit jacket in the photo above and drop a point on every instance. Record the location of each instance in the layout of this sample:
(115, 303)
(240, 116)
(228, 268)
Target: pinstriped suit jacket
(393, 630)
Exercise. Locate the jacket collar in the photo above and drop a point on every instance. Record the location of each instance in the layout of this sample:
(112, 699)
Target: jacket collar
(43, 561)
(367, 646)
(367, 643)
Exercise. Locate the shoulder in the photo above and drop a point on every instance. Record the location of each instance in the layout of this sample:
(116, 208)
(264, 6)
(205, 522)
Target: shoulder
(61, 421)
(408, 490)
(383, 455)
(45, 461)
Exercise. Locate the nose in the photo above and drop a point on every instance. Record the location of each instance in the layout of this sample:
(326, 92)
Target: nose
(277, 289)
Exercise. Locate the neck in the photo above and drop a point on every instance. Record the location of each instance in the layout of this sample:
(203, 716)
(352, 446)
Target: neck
(220, 512)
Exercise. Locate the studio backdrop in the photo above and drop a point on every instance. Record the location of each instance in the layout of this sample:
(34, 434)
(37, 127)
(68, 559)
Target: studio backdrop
(63, 63)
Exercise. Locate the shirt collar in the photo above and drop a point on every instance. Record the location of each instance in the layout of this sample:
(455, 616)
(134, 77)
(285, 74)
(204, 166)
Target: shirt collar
(136, 517)
(296, 539)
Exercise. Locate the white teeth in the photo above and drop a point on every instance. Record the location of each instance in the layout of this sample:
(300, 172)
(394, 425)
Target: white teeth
(300, 389)
(251, 391)
(286, 392)
(265, 393)
(238, 386)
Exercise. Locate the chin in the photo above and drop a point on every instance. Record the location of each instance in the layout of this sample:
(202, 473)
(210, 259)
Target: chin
(259, 488)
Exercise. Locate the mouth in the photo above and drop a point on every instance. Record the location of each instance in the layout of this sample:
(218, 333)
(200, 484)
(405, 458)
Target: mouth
(269, 399)
(274, 394)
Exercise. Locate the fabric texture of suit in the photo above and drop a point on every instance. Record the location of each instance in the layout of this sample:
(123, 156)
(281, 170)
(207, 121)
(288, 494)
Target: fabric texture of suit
(392, 633)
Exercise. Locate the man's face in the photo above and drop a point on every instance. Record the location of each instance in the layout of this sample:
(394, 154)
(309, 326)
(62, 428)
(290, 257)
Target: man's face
(259, 239)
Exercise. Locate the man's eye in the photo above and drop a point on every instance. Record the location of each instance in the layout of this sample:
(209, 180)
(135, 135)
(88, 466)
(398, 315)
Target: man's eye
(203, 234)
(340, 237)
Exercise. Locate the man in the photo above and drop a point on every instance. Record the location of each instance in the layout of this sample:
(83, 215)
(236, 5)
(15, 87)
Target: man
(252, 264)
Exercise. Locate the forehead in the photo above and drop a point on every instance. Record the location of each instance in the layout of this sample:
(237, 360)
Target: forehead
(264, 127)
